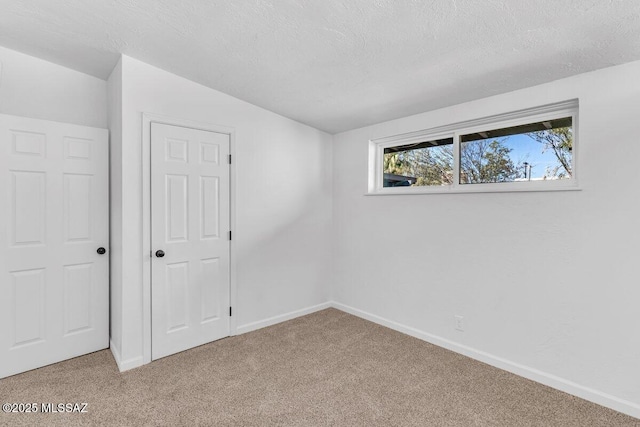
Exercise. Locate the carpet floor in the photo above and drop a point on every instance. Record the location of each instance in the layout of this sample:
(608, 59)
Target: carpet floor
(325, 369)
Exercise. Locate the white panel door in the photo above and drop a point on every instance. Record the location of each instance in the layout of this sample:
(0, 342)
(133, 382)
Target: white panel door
(189, 238)
(54, 287)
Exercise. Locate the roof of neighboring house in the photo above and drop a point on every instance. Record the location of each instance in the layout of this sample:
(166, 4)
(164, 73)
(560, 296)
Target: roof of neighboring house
(395, 178)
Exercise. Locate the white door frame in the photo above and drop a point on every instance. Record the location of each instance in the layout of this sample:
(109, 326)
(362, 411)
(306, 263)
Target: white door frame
(147, 119)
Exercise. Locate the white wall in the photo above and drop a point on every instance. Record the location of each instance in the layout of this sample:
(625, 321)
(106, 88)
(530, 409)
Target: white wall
(39, 89)
(283, 200)
(545, 281)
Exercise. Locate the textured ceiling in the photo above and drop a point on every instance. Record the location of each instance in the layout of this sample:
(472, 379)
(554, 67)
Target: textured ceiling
(335, 64)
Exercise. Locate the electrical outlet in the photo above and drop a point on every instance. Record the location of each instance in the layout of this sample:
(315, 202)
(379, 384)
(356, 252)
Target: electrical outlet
(459, 325)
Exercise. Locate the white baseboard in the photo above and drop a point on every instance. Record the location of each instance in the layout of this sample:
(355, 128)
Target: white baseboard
(592, 395)
(280, 318)
(124, 365)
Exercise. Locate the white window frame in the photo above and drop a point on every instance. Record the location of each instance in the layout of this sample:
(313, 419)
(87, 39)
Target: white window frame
(522, 117)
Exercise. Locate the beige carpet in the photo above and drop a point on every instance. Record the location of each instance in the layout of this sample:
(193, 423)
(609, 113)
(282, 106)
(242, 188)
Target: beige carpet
(327, 368)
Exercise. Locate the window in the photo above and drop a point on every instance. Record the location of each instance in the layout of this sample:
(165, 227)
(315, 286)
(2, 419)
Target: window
(420, 164)
(529, 150)
(534, 151)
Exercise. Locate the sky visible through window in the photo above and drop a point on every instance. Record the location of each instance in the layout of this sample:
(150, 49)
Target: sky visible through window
(526, 149)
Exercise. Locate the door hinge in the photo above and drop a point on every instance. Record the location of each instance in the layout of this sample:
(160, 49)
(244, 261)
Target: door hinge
(229, 158)
(229, 311)
(229, 234)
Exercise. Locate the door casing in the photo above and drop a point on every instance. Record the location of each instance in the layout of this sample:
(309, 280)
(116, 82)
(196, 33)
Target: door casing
(147, 119)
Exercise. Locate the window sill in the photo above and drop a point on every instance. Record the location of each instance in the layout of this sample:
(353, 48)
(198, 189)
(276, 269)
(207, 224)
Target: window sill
(506, 187)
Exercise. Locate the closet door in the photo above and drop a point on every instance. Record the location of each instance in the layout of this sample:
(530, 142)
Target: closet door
(189, 238)
(54, 238)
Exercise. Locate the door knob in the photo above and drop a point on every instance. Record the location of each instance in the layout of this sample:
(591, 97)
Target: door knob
(101, 251)
(160, 253)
